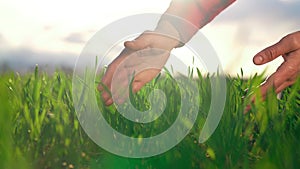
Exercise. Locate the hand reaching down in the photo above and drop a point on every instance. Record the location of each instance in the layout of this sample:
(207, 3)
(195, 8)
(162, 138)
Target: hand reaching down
(287, 73)
(140, 61)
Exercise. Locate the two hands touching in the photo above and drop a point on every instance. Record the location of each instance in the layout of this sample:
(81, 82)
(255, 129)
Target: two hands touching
(152, 50)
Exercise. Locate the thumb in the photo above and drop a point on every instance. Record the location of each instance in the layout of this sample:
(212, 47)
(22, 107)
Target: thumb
(140, 43)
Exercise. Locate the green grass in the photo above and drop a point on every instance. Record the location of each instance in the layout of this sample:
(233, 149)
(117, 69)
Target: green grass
(39, 128)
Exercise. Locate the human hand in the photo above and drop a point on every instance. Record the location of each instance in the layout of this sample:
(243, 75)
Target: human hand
(140, 61)
(286, 74)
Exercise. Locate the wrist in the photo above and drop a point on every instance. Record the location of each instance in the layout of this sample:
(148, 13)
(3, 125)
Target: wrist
(167, 29)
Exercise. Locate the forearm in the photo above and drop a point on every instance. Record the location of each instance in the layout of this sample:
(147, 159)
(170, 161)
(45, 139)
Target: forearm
(190, 16)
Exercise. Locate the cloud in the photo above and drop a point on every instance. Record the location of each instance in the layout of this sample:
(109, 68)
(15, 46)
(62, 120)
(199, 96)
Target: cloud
(262, 22)
(248, 26)
(3, 42)
(289, 1)
(25, 59)
(266, 11)
(75, 38)
(1, 38)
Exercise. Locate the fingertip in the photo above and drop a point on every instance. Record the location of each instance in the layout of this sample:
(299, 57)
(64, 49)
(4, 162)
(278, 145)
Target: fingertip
(100, 87)
(136, 44)
(258, 60)
(105, 96)
(131, 45)
(128, 44)
(109, 102)
(137, 86)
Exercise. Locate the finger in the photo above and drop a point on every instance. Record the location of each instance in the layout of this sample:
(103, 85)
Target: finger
(105, 97)
(248, 107)
(284, 85)
(120, 92)
(106, 79)
(284, 46)
(290, 81)
(137, 44)
(100, 87)
(120, 96)
(136, 86)
(283, 74)
(115, 64)
(105, 92)
(105, 85)
(109, 102)
(147, 75)
(133, 61)
(269, 85)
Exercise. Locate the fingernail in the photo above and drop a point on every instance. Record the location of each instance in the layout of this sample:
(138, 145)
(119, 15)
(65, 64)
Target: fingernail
(258, 59)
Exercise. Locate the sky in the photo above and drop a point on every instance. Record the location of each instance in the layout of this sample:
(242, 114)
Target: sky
(55, 32)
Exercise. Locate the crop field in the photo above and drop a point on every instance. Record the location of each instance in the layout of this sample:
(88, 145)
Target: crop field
(39, 128)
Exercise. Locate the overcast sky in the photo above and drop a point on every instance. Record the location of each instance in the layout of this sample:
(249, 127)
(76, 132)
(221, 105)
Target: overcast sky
(56, 31)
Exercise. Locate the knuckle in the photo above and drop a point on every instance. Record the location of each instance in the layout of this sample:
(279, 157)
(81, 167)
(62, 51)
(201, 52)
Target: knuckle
(270, 53)
(292, 67)
(293, 40)
(276, 82)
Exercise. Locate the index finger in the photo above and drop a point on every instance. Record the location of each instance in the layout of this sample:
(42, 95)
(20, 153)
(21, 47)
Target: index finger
(286, 45)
